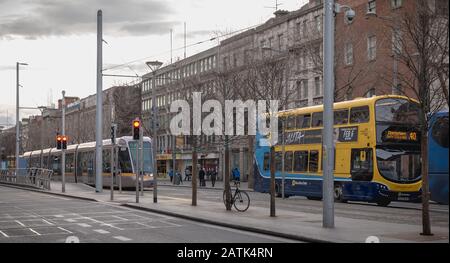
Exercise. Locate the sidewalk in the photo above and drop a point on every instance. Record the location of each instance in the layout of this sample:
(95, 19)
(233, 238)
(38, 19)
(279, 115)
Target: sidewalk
(219, 185)
(287, 223)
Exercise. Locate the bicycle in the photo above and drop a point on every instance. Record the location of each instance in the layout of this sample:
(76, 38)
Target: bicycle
(240, 200)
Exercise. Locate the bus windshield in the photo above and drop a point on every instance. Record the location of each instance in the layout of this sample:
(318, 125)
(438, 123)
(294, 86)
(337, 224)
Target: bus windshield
(147, 155)
(398, 165)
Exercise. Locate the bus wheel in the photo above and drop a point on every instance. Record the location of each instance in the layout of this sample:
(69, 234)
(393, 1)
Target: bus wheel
(338, 196)
(383, 202)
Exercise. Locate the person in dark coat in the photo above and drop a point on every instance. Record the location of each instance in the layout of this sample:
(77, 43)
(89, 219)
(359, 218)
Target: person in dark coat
(213, 177)
(201, 176)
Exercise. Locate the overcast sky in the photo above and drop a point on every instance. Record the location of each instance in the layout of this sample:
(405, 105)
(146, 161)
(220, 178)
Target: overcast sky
(57, 38)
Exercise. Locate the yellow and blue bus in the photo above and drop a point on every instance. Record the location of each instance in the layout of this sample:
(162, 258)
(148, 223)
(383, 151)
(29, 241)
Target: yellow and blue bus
(80, 162)
(377, 151)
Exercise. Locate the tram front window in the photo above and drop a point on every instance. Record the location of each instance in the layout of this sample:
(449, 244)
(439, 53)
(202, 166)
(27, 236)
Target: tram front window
(147, 155)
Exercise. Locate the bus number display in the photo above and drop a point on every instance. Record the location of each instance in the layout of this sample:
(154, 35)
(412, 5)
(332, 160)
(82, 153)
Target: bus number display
(401, 136)
(349, 134)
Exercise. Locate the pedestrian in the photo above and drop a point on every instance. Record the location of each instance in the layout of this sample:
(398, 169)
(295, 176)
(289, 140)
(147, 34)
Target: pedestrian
(236, 175)
(213, 177)
(187, 174)
(171, 175)
(201, 176)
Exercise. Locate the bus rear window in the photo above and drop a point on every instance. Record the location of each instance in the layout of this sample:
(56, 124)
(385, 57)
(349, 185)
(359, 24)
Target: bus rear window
(359, 114)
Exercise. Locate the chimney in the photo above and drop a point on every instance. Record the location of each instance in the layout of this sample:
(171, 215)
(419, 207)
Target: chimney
(280, 13)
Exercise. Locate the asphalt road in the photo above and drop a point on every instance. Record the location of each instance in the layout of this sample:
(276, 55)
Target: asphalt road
(408, 213)
(34, 217)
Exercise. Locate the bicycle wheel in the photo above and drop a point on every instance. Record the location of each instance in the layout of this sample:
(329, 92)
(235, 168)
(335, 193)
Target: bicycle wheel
(241, 201)
(225, 197)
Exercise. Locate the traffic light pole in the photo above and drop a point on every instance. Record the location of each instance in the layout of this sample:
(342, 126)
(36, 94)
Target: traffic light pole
(63, 151)
(113, 158)
(154, 133)
(141, 160)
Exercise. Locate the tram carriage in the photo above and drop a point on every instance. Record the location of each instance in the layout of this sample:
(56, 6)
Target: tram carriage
(80, 162)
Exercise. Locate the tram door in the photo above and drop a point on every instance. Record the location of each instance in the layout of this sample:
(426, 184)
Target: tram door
(90, 163)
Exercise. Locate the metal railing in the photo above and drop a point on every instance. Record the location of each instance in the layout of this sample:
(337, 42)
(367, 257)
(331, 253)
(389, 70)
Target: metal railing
(35, 177)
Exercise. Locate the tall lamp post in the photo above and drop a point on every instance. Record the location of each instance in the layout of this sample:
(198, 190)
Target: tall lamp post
(328, 75)
(154, 66)
(17, 116)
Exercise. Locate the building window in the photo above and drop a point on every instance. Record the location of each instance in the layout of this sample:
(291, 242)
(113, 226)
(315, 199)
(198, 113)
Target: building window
(235, 60)
(305, 28)
(371, 7)
(280, 41)
(396, 3)
(396, 41)
(372, 47)
(370, 93)
(348, 58)
(317, 86)
(317, 23)
(305, 88)
(349, 93)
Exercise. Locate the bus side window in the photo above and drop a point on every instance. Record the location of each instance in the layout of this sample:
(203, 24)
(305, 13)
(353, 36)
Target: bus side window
(359, 114)
(290, 123)
(362, 165)
(340, 117)
(266, 165)
(317, 119)
(304, 121)
(278, 161)
(301, 161)
(313, 161)
(288, 161)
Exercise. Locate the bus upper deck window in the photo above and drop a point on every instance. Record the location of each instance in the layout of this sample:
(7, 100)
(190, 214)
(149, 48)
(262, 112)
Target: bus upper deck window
(317, 119)
(359, 114)
(340, 117)
(304, 121)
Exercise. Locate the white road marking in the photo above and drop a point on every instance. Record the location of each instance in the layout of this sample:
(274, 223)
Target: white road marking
(58, 216)
(101, 231)
(4, 234)
(84, 225)
(121, 218)
(118, 228)
(70, 220)
(63, 229)
(34, 231)
(47, 222)
(20, 223)
(121, 238)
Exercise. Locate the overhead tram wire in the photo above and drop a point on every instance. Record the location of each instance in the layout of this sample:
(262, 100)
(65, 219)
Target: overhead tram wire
(180, 48)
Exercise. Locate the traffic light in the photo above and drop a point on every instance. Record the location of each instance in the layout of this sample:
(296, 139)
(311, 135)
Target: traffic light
(64, 142)
(58, 142)
(136, 129)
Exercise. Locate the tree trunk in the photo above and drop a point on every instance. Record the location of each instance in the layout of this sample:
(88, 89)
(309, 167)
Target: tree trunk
(194, 171)
(272, 181)
(426, 224)
(227, 174)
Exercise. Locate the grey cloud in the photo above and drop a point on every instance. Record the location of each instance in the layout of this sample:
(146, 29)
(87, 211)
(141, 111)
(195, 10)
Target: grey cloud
(53, 17)
(148, 28)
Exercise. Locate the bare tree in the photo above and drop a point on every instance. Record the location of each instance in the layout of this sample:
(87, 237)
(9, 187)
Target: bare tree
(423, 50)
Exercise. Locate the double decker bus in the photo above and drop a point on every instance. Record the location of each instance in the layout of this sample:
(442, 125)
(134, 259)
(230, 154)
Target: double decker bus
(438, 157)
(377, 151)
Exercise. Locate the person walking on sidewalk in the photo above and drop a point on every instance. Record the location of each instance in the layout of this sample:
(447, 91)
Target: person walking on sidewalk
(187, 174)
(171, 175)
(213, 177)
(236, 175)
(201, 176)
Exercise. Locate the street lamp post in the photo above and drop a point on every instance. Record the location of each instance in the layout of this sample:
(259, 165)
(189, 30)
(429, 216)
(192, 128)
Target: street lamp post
(154, 66)
(17, 116)
(328, 148)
